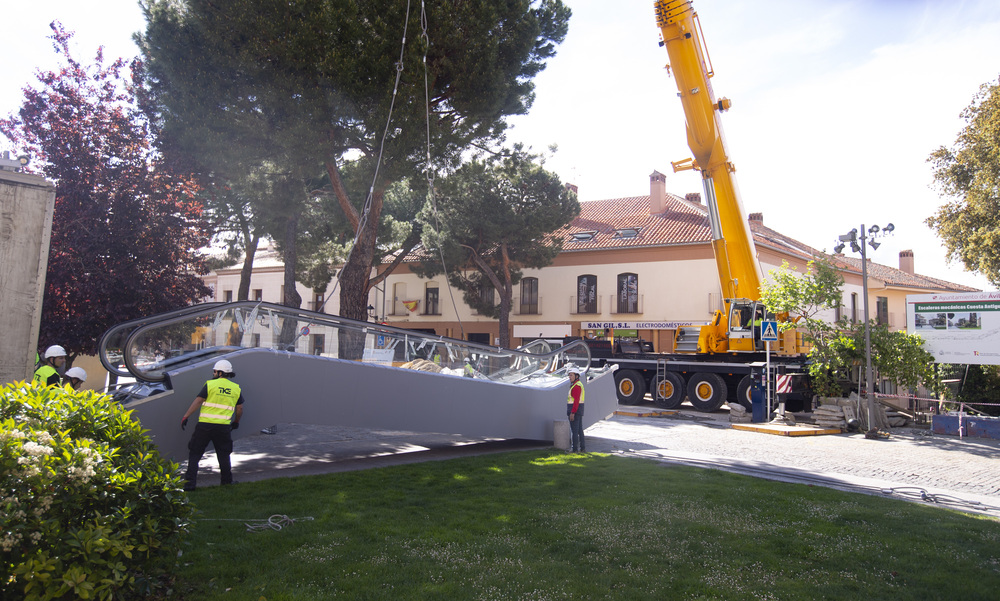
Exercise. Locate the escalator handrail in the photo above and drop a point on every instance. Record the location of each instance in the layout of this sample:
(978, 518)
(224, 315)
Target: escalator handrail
(314, 317)
(107, 337)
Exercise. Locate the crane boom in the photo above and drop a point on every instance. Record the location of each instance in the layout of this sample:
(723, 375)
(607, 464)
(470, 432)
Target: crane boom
(735, 254)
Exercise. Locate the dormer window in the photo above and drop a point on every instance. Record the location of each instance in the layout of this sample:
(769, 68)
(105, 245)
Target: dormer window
(582, 236)
(627, 232)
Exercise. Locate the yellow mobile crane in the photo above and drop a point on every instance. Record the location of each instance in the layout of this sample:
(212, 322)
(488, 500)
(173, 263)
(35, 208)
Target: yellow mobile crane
(731, 330)
(720, 361)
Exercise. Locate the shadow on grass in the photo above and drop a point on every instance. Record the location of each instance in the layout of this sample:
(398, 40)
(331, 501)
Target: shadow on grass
(543, 524)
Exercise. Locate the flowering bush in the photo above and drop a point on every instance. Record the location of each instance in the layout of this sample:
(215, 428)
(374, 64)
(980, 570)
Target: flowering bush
(88, 507)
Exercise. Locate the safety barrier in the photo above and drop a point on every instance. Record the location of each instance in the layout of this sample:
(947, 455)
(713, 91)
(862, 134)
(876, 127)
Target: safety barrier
(961, 414)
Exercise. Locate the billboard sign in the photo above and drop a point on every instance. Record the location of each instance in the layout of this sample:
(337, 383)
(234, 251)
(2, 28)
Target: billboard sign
(957, 328)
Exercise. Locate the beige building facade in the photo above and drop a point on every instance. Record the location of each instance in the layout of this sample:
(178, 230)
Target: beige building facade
(630, 267)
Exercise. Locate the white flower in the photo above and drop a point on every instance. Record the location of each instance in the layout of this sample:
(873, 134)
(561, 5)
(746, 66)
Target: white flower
(34, 449)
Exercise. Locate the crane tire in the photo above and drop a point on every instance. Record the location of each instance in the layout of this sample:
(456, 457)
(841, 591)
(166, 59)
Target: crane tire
(630, 386)
(707, 392)
(743, 393)
(668, 391)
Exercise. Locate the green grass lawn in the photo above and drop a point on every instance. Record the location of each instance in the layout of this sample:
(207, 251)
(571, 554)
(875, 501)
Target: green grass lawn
(539, 525)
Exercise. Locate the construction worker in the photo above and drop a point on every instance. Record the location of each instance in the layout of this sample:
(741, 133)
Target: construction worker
(574, 409)
(75, 377)
(48, 373)
(221, 405)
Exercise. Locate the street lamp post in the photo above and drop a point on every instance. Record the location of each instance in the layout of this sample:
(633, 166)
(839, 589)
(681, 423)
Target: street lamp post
(858, 245)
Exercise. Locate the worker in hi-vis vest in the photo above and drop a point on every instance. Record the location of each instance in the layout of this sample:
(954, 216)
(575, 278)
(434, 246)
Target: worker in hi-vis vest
(574, 409)
(48, 373)
(221, 404)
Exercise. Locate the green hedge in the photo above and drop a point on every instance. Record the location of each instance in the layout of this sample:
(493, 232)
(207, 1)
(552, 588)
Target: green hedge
(90, 510)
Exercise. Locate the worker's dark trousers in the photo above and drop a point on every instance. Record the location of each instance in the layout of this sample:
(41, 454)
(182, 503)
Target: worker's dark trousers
(220, 437)
(577, 443)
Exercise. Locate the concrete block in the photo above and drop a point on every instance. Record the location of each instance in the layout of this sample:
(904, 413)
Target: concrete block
(26, 206)
(560, 434)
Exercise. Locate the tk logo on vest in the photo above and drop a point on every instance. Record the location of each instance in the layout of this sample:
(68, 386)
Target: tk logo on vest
(225, 390)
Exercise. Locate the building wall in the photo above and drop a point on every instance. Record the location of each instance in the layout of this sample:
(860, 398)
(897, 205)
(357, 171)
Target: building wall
(26, 207)
(677, 285)
(270, 281)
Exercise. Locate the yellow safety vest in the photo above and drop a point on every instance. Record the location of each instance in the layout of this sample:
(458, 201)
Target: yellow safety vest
(220, 404)
(583, 392)
(43, 373)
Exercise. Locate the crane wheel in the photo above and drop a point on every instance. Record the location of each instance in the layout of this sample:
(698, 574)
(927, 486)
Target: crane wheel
(743, 393)
(668, 391)
(630, 386)
(707, 392)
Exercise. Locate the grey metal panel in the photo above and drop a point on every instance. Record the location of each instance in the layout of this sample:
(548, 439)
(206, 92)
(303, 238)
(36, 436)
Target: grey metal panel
(295, 388)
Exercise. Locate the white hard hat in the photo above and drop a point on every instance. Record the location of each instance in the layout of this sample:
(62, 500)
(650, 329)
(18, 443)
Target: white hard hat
(77, 372)
(572, 369)
(55, 351)
(223, 366)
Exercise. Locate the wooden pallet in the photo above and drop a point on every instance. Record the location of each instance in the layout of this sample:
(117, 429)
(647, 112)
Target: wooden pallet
(785, 430)
(644, 412)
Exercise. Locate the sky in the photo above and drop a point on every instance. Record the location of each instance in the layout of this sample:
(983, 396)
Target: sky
(837, 104)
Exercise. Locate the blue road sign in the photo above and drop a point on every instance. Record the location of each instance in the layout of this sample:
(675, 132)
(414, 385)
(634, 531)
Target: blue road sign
(769, 331)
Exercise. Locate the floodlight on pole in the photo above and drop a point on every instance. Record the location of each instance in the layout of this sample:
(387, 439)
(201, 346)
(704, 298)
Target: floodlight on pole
(869, 236)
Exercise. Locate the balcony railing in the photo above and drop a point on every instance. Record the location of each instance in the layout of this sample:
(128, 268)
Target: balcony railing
(575, 308)
(622, 309)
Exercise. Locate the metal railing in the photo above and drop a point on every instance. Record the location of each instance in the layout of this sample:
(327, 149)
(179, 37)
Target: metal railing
(155, 345)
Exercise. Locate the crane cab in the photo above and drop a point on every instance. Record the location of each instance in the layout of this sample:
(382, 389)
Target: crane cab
(745, 319)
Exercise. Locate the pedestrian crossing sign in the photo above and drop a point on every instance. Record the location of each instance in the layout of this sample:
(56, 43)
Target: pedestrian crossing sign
(769, 331)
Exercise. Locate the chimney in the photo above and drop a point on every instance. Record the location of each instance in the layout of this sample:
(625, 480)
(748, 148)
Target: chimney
(573, 188)
(694, 197)
(758, 217)
(906, 261)
(657, 193)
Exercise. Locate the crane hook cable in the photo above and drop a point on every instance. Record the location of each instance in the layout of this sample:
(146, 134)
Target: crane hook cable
(428, 167)
(385, 134)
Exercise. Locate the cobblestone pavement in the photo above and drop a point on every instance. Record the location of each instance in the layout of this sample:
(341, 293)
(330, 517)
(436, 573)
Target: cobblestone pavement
(911, 460)
(942, 466)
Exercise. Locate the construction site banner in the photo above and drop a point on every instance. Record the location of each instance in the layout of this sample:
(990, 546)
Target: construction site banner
(957, 328)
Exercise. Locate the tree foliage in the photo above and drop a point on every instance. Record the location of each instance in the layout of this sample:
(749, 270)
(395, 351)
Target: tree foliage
(125, 228)
(978, 385)
(837, 356)
(969, 174)
(307, 88)
(493, 220)
(804, 296)
(91, 510)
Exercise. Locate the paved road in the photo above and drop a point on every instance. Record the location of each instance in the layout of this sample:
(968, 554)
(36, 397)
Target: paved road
(946, 469)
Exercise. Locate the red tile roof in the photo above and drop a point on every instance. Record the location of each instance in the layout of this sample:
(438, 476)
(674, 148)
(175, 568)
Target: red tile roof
(682, 222)
(685, 222)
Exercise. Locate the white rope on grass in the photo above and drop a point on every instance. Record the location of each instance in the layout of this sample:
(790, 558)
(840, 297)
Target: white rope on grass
(275, 522)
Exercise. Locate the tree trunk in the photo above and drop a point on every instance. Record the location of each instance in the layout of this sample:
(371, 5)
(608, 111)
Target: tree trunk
(355, 281)
(504, 321)
(508, 298)
(292, 298)
(251, 251)
(291, 257)
(355, 277)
